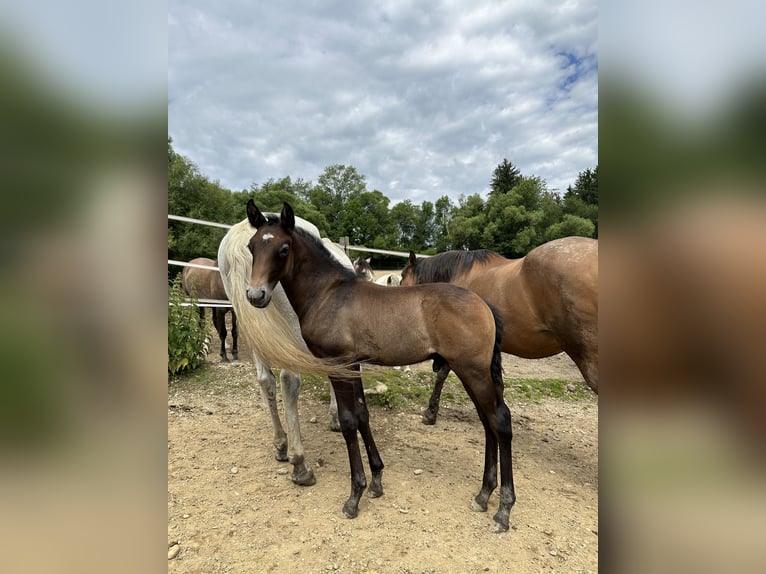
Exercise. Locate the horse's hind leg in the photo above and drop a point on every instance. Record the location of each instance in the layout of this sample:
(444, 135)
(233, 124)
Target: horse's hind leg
(489, 479)
(291, 385)
(268, 385)
(219, 320)
(429, 415)
(495, 416)
(334, 422)
(348, 393)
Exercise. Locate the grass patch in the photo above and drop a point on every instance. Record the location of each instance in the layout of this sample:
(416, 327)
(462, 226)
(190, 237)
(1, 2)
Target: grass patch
(534, 390)
(403, 389)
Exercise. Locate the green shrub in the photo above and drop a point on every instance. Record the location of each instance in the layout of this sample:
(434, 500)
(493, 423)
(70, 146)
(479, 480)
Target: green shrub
(187, 345)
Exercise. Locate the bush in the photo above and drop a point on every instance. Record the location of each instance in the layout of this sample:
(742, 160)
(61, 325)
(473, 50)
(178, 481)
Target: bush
(187, 344)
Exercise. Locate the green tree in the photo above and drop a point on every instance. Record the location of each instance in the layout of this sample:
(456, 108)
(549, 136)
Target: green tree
(467, 225)
(367, 218)
(335, 186)
(514, 219)
(272, 194)
(443, 212)
(581, 200)
(191, 194)
(504, 178)
(404, 218)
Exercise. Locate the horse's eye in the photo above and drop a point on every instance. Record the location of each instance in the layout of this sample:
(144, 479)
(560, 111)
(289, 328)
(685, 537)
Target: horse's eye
(283, 250)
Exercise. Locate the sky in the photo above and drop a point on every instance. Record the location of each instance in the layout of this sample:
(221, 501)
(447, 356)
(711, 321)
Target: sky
(424, 99)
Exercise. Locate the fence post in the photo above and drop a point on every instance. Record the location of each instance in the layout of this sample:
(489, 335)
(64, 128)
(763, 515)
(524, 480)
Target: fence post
(343, 242)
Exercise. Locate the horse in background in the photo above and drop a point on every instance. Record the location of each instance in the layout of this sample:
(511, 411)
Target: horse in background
(548, 300)
(345, 320)
(363, 269)
(207, 284)
(275, 340)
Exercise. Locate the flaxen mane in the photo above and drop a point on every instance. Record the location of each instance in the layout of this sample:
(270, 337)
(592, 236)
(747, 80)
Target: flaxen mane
(272, 333)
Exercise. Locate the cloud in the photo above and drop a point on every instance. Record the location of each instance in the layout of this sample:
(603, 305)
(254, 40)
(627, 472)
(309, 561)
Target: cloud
(423, 100)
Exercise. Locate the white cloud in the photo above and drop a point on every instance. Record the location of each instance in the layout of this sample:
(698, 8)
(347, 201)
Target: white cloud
(423, 102)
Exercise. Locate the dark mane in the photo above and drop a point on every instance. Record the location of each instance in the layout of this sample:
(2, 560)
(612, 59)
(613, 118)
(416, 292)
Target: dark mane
(324, 254)
(442, 268)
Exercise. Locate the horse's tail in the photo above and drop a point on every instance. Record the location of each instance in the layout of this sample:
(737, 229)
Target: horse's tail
(496, 366)
(268, 331)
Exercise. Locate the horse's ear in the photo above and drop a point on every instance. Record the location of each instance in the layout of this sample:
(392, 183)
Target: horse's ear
(287, 217)
(369, 260)
(254, 215)
(412, 258)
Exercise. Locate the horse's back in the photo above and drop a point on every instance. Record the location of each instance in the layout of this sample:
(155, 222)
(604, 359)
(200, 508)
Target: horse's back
(203, 283)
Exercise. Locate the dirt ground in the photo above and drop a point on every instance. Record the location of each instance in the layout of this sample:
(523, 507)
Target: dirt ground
(233, 508)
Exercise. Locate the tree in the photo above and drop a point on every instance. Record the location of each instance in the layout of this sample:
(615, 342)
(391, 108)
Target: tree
(504, 178)
(337, 184)
(581, 200)
(191, 194)
(443, 212)
(404, 218)
(468, 222)
(514, 218)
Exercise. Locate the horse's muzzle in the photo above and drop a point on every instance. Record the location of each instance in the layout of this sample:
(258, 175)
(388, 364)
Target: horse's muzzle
(258, 296)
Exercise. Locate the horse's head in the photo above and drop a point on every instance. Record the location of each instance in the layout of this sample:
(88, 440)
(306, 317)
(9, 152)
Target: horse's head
(363, 269)
(408, 273)
(271, 247)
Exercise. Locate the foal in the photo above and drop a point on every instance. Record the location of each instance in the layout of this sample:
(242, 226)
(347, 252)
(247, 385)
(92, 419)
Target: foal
(344, 318)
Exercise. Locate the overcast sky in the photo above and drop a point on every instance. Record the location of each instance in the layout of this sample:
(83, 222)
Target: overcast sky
(423, 98)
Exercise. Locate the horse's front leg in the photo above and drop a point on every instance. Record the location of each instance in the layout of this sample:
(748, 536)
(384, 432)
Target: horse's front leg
(429, 415)
(268, 386)
(234, 335)
(291, 385)
(349, 424)
(376, 463)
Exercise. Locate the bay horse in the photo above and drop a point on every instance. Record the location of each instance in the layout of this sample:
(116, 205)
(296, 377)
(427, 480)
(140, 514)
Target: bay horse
(345, 319)
(207, 284)
(363, 269)
(274, 338)
(548, 300)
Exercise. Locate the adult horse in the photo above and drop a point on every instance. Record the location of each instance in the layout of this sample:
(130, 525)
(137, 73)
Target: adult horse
(274, 338)
(348, 320)
(207, 284)
(363, 269)
(548, 300)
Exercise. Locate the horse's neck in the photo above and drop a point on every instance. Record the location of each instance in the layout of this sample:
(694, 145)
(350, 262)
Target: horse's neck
(311, 273)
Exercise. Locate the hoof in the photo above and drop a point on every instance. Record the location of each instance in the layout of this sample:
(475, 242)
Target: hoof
(374, 492)
(280, 455)
(335, 426)
(349, 512)
(224, 359)
(428, 418)
(478, 507)
(498, 527)
(306, 478)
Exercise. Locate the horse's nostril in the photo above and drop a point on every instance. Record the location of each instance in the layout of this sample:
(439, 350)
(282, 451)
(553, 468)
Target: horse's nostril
(256, 296)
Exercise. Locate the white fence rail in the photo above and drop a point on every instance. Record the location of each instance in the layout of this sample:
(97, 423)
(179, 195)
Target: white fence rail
(218, 303)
